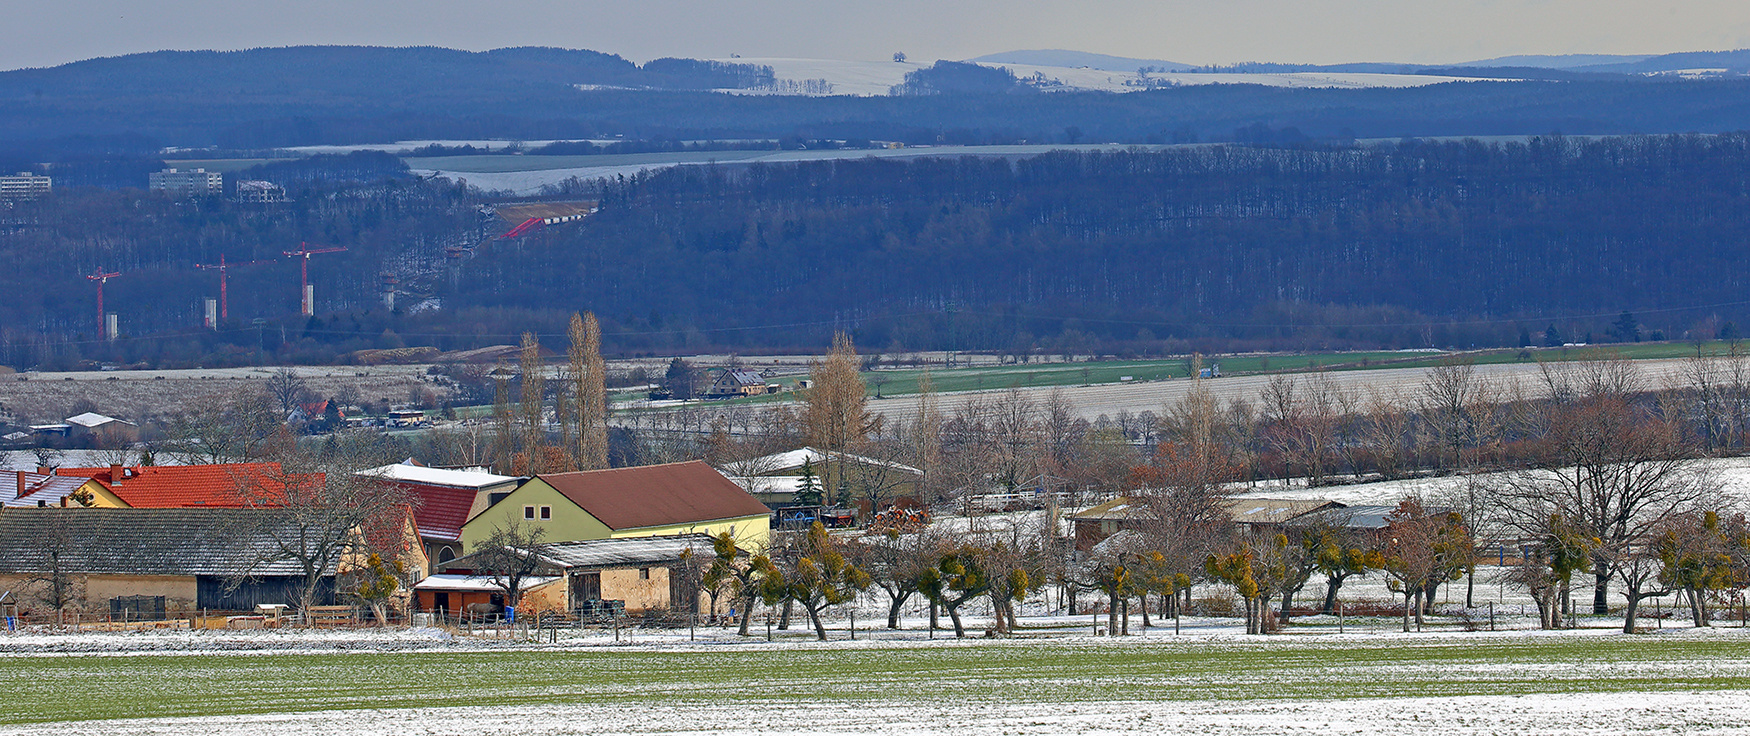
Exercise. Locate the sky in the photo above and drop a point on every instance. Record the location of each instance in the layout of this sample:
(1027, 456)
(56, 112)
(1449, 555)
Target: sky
(48, 32)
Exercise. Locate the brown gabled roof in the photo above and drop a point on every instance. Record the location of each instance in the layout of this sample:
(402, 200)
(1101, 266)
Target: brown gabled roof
(656, 495)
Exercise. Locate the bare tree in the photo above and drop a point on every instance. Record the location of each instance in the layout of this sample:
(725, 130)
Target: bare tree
(1448, 393)
(531, 411)
(509, 556)
(835, 408)
(317, 514)
(589, 376)
(287, 389)
(1613, 468)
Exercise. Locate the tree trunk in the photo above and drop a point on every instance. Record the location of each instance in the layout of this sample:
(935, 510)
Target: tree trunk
(1420, 594)
(1144, 607)
(784, 618)
(1333, 583)
(1287, 601)
(746, 614)
(1409, 600)
(1628, 614)
(814, 618)
(1600, 588)
(1697, 610)
(954, 613)
(935, 623)
(893, 610)
(1470, 588)
(1112, 614)
(1125, 605)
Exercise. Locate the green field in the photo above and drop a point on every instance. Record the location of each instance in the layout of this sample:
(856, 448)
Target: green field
(902, 382)
(73, 688)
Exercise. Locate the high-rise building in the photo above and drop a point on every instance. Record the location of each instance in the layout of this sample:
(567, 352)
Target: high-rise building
(24, 186)
(197, 183)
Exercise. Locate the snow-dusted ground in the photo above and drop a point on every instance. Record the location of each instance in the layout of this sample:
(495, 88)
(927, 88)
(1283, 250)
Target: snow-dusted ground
(1399, 385)
(1558, 702)
(1732, 476)
(1720, 712)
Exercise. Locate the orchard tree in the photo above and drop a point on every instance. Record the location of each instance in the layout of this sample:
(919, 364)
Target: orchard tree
(1697, 552)
(1561, 549)
(957, 577)
(820, 577)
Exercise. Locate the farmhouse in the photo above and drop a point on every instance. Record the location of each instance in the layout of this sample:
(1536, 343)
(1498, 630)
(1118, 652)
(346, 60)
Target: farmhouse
(222, 559)
(648, 501)
(103, 431)
(190, 486)
(776, 478)
(443, 500)
(628, 575)
(1263, 515)
(47, 490)
(736, 382)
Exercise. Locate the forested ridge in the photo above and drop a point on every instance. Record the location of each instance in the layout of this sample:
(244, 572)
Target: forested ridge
(1414, 244)
(264, 98)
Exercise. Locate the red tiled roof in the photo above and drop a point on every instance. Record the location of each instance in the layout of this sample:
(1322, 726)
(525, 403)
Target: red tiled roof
(438, 511)
(656, 495)
(185, 486)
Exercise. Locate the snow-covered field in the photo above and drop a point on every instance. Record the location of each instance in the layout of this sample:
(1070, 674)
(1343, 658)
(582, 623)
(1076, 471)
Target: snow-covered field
(1588, 682)
(1717, 712)
(1397, 384)
(526, 175)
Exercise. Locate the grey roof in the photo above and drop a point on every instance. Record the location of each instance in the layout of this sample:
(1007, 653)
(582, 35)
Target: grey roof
(1356, 517)
(595, 554)
(629, 552)
(47, 490)
(1275, 510)
(143, 541)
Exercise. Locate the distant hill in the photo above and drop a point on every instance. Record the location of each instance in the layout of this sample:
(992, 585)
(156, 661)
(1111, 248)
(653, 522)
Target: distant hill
(1738, 60)
(1563, 61)
(335, 95)
(1078, 59)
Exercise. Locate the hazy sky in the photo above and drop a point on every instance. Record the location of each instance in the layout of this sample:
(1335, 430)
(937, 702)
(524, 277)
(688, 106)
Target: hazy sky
(48, 32)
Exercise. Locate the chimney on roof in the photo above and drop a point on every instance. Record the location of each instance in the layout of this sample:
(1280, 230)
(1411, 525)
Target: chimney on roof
(20, 485)
(115, 473)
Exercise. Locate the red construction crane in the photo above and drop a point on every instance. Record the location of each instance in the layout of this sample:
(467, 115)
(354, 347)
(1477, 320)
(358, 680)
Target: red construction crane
(101, 278)
(304, 251)
(222, 268)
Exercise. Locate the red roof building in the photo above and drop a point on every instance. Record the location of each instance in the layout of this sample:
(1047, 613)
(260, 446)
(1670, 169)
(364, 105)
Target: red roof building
(188, 486)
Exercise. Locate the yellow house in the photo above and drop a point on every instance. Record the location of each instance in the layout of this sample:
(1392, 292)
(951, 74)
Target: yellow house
(43, 490)
(620, 503)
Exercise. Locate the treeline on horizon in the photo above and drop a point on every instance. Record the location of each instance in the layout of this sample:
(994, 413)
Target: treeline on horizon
(1409, 245)
(267, 98)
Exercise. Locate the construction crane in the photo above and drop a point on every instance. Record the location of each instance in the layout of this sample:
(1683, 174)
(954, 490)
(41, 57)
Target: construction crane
(101, 278)
(304, 252)
(224, 295)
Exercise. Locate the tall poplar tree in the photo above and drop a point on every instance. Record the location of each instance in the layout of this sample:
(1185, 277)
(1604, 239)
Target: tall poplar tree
(589, 377)
(530, 412)
(836, 410)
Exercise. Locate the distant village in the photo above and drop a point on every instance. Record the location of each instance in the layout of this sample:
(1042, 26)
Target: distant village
(558, 507)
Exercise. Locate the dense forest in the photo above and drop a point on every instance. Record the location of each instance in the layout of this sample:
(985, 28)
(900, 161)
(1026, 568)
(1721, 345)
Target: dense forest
(266, 98)
(1414, 244)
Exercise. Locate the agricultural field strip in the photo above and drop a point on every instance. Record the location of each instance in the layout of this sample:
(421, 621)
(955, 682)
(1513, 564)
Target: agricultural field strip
(1400, 385)
(1065, 672)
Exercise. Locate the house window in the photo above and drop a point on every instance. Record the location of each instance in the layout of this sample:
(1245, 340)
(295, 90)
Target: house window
(643, 573)
(529, 513)
(546, 513)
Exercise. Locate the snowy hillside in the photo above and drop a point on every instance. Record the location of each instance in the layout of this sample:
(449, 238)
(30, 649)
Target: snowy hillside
(874, 78)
